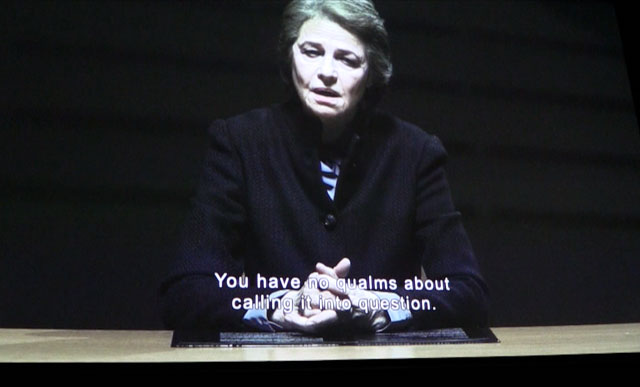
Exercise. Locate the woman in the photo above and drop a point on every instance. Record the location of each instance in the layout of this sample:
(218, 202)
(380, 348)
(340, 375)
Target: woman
(338, 204)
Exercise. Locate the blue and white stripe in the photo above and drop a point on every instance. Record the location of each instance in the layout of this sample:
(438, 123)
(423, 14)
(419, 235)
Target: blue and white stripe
(330, 172)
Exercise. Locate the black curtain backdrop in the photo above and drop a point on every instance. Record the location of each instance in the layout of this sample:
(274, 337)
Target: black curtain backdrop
(103, 133)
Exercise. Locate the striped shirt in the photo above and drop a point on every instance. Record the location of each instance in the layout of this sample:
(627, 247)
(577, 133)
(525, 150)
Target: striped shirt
(330, 171)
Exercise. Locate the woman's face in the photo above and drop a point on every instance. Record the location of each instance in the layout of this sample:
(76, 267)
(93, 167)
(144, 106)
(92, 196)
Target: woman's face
(329, 70)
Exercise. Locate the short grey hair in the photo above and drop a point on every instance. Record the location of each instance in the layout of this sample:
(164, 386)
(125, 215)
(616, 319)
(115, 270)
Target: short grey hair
(359, 17)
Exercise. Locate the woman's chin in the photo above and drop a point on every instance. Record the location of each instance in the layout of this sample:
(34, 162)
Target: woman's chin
(325, 112)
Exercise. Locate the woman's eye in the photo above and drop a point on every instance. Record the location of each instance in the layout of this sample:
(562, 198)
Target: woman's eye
(351, 62)
(310, 53)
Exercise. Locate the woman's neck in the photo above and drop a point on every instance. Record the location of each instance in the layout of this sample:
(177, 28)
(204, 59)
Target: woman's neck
(332, 131)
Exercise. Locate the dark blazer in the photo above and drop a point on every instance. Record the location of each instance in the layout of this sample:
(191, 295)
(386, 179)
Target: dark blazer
(261, 208)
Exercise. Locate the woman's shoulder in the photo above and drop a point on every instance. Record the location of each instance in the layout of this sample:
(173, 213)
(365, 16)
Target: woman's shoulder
(249, 120)
(248, 126)
(407, 135)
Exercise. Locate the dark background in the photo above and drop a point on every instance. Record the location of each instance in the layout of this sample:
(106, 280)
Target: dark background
(103, 133)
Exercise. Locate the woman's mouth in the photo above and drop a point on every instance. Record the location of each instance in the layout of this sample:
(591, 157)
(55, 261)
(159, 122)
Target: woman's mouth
(326, 92)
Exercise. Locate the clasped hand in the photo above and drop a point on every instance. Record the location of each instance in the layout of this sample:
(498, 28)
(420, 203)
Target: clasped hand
(320, 304)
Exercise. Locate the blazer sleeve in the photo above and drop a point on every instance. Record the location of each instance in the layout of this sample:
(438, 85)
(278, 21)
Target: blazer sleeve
(445, 250)
(191, 296)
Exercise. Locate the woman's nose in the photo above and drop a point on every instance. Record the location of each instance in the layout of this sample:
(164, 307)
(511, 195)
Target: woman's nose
(327, 72)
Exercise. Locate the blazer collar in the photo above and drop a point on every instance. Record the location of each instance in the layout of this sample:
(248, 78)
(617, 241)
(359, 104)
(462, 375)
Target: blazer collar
(307, 130)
